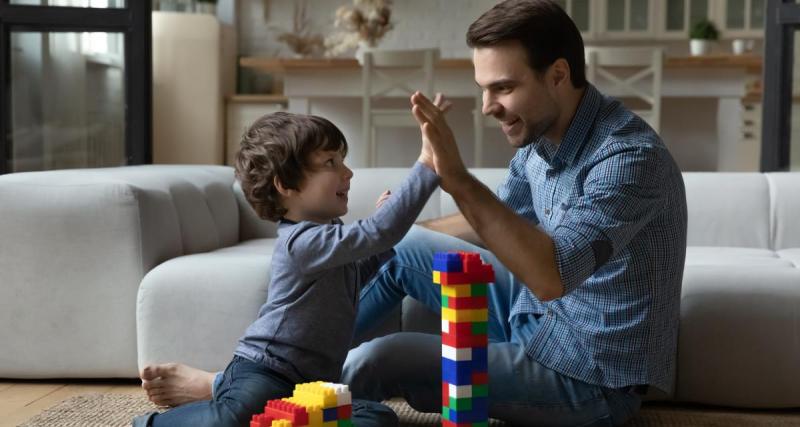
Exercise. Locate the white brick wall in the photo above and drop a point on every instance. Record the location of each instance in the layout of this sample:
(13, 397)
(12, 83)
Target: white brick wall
(418, 24)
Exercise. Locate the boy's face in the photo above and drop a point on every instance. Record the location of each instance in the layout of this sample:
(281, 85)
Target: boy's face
(323, 193)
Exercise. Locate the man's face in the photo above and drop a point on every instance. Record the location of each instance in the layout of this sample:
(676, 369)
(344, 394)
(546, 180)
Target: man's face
(513, 93)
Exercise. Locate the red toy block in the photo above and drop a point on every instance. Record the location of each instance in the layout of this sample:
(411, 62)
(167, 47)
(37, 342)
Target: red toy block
(467, 302)
(261, 420)
(480, 378)
(344, 412)
(461, 341)
(482, 276)
(282, 409)
(445, 392)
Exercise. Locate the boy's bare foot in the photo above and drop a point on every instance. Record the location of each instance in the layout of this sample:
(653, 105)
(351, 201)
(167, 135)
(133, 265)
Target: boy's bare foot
(173, 384)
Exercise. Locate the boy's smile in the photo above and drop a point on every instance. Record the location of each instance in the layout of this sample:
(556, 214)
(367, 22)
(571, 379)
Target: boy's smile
(323, 194)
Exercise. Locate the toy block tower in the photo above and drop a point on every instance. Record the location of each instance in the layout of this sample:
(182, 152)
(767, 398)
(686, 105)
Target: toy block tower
(316, 404)
(464, 279)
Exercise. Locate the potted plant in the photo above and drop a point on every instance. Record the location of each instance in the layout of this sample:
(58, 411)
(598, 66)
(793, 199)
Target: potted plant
(701, 37)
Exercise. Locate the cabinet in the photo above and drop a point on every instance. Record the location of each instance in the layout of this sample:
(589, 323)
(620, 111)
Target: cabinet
(664, 19)
(677, 17)
(741, 18)
(241, 112)
(626, 19)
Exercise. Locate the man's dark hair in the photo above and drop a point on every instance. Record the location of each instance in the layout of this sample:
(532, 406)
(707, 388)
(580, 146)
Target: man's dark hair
(544, 29)
(280, 145)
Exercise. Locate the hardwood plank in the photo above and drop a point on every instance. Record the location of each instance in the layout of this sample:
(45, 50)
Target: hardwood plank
(47, 401)
(16, 397)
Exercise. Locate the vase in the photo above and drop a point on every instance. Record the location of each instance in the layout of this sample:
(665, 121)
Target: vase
(699, 47)
(363, 45)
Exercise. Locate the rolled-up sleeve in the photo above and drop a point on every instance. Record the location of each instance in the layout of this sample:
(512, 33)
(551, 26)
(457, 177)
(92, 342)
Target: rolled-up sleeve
(515, 190)
(622, 191)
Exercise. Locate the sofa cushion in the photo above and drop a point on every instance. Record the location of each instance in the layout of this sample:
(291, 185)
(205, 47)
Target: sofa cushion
(491, 177)
(737, 345)
(785, 209)
(194, 308)
(727, 209)
(367, 185)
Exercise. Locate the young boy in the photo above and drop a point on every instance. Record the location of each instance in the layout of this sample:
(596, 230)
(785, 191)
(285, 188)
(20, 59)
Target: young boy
(291, 170)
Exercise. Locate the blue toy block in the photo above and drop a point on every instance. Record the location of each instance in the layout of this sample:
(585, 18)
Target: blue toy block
(460, 372)
(478, 413)
(480, 356)
(330, 414)
(448, 262)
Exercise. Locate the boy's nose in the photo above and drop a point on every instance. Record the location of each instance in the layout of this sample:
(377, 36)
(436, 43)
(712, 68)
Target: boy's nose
(348, 173)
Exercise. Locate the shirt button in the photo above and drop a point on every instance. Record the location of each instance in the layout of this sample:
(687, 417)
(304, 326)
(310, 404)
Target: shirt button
(547, 211)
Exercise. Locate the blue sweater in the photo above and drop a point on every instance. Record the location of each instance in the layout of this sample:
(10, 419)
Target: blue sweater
(305, 328)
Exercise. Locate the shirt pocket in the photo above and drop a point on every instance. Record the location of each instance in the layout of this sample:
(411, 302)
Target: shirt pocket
(560, 212)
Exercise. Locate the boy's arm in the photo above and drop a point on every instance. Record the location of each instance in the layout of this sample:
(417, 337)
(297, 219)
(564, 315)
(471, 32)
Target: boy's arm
(319, 247)
(454, 225)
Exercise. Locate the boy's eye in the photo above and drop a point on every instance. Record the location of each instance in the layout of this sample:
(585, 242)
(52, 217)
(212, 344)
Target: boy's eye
(329, 162)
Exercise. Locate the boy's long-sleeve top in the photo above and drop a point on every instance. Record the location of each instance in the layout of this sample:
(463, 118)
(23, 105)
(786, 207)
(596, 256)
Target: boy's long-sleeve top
(305, 328)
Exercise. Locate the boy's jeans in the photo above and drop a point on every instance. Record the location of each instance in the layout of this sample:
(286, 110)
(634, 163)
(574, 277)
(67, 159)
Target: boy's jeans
(521, 391)
(243, 390)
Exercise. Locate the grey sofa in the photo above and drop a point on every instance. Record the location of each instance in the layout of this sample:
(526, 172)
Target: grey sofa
(105, 270)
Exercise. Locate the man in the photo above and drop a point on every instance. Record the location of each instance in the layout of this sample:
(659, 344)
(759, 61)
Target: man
(587, 235)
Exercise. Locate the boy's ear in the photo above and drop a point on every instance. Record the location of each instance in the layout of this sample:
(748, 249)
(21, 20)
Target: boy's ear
(279, 186)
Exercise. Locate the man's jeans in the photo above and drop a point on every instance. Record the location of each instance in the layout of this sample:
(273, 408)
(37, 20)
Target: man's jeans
(243, 390)
(521, 391)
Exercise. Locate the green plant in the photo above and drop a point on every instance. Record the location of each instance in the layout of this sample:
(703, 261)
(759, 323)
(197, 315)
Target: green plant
(704, 30)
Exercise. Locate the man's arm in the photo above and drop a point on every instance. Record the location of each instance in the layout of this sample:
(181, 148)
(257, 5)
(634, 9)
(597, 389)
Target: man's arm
(454, 225)
(525, 250)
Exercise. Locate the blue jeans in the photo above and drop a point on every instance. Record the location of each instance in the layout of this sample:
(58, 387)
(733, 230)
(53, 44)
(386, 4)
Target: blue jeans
(244, 389)
(407, 364)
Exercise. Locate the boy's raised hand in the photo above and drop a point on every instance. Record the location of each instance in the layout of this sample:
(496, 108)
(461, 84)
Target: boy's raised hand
(438, 138)
(426, 153)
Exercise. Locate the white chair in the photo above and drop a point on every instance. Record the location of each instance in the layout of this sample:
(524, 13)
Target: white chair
(392, 73)
(623, 72)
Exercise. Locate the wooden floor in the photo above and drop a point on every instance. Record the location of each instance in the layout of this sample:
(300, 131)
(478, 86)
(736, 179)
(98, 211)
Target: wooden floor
(21, 400)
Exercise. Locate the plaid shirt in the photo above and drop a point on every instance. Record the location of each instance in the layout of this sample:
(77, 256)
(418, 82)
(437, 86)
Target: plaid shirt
(612, 199)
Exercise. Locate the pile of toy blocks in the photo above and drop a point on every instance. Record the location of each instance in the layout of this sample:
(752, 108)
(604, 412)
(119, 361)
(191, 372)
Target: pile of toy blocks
(464, 280)
(316, 404)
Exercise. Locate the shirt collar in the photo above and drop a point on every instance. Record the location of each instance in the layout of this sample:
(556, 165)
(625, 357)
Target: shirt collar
(565, 153)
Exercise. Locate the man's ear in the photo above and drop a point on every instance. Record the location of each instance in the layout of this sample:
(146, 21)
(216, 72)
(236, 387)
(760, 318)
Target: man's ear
(285, 192)
(560, 72)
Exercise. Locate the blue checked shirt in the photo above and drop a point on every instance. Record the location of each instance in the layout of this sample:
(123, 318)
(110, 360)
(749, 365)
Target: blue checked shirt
(612, 199)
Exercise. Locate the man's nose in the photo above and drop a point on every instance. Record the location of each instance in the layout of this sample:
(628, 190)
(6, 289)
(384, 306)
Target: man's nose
(490, 107)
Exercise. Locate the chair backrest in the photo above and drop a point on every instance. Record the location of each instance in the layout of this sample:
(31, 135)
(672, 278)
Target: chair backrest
(397, 72)
(392, 73)
(623, 72)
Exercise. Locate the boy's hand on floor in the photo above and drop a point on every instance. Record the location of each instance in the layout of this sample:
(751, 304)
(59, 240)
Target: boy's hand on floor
(382, 199)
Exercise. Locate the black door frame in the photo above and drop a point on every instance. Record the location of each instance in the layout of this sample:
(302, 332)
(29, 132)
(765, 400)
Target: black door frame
(134, 21)
(782, 20)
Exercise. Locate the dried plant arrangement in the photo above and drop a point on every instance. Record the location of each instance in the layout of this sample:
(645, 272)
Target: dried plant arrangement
(300, 40)
(363, 22)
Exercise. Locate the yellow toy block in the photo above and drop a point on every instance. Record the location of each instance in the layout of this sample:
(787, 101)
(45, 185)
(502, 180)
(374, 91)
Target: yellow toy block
(281, 423)
(315, 393)
(457, 290)
(461, 315)
(437, 277)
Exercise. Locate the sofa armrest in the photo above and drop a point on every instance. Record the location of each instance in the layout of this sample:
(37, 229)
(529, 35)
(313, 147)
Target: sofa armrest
(76, 245)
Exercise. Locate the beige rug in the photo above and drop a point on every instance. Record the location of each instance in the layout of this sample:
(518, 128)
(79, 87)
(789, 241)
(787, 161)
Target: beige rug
(117, 410)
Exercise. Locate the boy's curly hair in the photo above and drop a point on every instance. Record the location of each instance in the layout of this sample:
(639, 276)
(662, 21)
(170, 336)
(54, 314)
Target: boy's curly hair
(280, 145)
